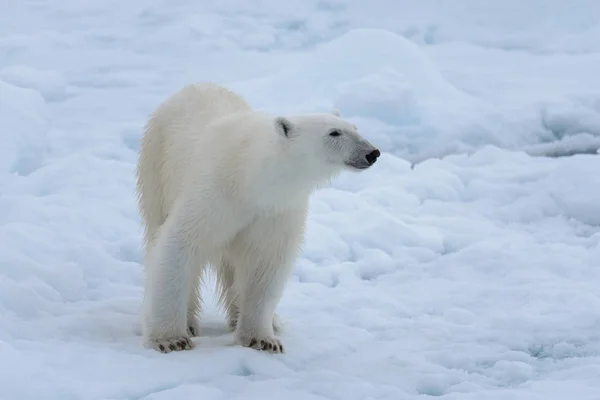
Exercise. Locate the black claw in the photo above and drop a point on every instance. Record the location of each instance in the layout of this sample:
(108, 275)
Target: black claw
(252, 342)
(171, 346)
(161, 347)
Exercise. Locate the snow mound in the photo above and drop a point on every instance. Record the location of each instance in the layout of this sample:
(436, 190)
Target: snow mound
(376, 77)
(50, 84)
(23, 127)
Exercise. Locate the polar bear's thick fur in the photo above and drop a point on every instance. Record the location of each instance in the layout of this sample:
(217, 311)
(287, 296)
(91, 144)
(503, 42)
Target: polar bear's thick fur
(220, 184)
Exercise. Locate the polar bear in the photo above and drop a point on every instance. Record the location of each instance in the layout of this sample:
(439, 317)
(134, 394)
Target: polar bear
(222, 185)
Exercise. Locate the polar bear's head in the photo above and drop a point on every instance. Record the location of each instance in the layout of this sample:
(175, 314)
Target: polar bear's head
(327, 139)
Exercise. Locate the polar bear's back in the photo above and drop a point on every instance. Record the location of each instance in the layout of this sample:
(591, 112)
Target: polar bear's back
(202, 103)
(184, 120)
(167, 146)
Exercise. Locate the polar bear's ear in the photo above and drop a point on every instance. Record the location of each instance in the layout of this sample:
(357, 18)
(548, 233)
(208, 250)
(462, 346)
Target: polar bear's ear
(336, 112)
(283, 126)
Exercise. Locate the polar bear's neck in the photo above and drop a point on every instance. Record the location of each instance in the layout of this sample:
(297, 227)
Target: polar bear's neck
(288, 178)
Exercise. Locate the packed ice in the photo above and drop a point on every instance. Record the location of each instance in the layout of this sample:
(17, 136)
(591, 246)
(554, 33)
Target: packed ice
(463, 265)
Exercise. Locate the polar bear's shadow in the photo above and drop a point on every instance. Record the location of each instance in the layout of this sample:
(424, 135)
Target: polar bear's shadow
(212, 328)
(214, 334)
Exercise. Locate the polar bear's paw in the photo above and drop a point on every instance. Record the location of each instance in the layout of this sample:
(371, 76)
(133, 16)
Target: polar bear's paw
(263, 343)
(171, 344)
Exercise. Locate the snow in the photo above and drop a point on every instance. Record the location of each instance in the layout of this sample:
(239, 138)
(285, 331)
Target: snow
(464, 265)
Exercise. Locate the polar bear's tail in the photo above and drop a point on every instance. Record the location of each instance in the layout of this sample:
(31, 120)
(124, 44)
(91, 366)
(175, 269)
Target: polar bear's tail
(149, 189)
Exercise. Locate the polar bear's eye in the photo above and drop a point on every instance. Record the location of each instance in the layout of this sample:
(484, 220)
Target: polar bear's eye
(334, 133)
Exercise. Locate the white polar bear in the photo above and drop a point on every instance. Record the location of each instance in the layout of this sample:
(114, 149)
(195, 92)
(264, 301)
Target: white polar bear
(220, 184)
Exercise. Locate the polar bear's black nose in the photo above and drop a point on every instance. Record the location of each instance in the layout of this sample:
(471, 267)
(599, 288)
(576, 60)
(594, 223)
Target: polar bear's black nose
(372, 156)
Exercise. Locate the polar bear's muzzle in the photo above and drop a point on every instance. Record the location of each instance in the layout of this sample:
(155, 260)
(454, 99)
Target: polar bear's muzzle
(364, 157)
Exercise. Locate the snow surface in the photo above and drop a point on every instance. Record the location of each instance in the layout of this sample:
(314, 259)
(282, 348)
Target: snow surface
(464, 265)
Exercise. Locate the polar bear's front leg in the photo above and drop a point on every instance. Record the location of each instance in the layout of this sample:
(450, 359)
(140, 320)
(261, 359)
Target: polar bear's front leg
(167, 291)
(229, 297)
(265, 253)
